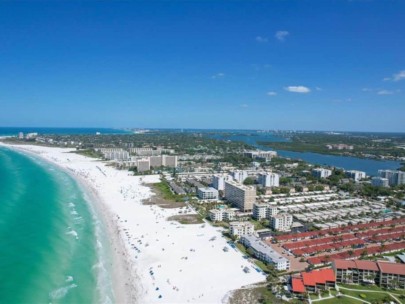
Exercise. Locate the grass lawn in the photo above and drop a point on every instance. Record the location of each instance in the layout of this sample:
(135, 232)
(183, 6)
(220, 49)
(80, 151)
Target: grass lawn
(342, 300)
(373, 288)
(369, 296)
(88, 152)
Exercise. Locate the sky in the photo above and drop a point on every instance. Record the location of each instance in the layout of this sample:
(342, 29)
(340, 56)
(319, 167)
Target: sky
(289, 65)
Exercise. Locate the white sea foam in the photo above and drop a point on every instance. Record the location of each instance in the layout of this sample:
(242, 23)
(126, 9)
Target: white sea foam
(69, 279)
(74, 233)
(72, 205)
(74, 212)
(61, 292)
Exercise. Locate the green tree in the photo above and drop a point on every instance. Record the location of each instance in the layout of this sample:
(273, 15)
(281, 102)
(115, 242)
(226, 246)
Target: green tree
(248, 181)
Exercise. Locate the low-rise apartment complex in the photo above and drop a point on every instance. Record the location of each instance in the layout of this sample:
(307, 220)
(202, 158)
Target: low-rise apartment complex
(264, 252)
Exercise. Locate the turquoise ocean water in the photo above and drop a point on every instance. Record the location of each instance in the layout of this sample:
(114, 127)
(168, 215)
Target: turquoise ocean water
(52, 246)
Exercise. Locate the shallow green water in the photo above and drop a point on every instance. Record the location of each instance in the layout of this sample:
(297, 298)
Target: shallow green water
(51, 244)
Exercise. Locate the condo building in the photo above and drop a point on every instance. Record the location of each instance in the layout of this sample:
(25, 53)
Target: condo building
(264, 211)
(356, 175)
(264, 252)
(321, 172)
(239, 176)
(269, 179)
(220, 215)
(380, 181)
(241, 228)
(207, 193)
(241, 196)
(394, 177)
(282, 222)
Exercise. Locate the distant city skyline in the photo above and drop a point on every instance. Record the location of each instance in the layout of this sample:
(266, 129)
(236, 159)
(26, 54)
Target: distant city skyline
(273, 65)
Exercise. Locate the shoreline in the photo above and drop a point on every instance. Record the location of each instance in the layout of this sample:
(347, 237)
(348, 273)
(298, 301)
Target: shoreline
(121, 276)
(154, 260)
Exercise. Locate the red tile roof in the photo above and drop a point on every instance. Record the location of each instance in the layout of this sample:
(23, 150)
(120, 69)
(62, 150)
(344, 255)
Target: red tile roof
(308, 279)
(366, 265)
(392, 268)
(298, 285)
(318, 277)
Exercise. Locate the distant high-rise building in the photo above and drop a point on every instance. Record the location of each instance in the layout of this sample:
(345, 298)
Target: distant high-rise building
(239, 175)
(356, 175)
(269, 179)
(380, 181)
(169, 161)
(321, 172)
(394, 177)
(218, 182)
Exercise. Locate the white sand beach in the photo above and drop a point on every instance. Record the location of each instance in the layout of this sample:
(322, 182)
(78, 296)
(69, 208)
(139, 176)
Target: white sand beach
(156, 260)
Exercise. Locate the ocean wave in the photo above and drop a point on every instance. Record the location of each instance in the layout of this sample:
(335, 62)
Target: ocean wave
(69, 279)
(74, 233)
(61, 292)
(72, 205)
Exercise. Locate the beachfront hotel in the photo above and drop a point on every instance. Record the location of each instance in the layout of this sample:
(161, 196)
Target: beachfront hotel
(241, 196)
(265, 253)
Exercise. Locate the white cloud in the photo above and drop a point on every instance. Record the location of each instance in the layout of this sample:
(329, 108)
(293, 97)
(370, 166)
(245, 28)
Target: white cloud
(271, 93)
(318, 88)
(297, 89)
(281, 35)
(396, 77)
(244, 105)
(218, 75)
(262, 39)
(385, 92)
(399, 76)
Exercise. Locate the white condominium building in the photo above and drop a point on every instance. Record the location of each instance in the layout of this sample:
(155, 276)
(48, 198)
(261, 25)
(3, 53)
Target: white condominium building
(282, 222)
(207, 193)
(220, 215)
(218, 182)
(241, 196)
(156, 161)
(267, 155)
(169, 161)
(116, 155)
(241, 228)
(143, 165)
(259, 211)
(356, 175)
(269, 179)
(321, 172)
(394, 177)
(380, 181)
(264, 210)
(265, 252)
(239, 175)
